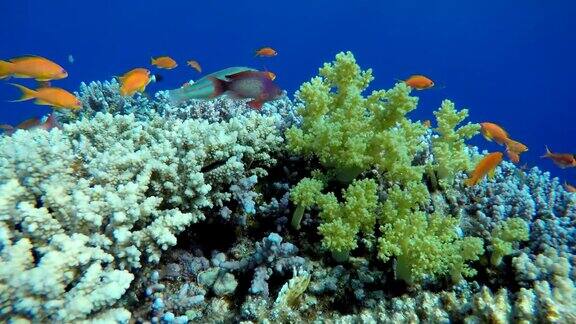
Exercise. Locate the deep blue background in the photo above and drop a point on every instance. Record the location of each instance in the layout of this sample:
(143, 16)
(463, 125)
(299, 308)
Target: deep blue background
(510, 62)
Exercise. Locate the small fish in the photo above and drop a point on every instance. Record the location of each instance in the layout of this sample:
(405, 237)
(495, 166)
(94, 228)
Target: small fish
(515, 146)
(514, 149)
(266, 52)
(419, 82)
(486, 166)
(255, 85)
(427, 123)
(28, 123)
(563, 160)
(270, 75)
(569, 187)
(195, 65)
(134, 81)
(70, 59)
(49, 96)
(32, 123)
(32, 67)
(164, 62)
(493, 132)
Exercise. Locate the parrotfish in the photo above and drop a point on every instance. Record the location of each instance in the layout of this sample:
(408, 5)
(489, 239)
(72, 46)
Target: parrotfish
(35, 67)
(204, 87)
(253, 85)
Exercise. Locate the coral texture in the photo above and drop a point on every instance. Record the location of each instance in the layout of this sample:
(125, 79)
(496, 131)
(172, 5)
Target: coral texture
(121, 190)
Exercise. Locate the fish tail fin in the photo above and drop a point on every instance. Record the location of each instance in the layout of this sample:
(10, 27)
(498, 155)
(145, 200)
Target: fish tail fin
(51, 122)
(152, 61)
(220, 86)
(548, 153)
(27, 94)
(5, 69)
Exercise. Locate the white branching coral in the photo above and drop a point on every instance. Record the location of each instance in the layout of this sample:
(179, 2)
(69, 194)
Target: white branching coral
(81, 208)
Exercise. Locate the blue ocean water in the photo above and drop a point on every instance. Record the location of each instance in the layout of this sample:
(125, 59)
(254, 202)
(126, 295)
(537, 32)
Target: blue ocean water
(510, 62)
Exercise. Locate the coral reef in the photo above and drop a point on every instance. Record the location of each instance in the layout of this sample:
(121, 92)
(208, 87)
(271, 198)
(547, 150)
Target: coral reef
(336, 209)
(121, 189)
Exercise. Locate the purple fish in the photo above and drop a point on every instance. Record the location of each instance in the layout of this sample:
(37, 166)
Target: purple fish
(255, 85)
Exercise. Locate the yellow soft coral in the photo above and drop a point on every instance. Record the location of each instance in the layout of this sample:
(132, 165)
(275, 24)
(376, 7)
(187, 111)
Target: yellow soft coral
(449, 149)
(425, 246)
(351, 133)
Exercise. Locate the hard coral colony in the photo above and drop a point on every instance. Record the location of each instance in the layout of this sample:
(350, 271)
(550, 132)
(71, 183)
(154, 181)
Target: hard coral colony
(337, 207)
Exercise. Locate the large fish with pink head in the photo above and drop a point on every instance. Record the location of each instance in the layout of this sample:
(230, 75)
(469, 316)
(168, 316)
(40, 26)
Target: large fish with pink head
(237, 82)
(255, 85)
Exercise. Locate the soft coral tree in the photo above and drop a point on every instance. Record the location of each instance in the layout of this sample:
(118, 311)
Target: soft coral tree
(350, 134)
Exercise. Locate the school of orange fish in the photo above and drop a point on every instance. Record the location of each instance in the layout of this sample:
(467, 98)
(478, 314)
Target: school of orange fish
(45, 71)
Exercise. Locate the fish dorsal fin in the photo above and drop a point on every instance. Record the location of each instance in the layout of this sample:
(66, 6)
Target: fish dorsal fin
(244, 74)
(24, 57)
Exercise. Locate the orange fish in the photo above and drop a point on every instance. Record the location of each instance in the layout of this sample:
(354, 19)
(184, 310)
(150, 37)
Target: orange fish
(486, 166)
(134, 81)
(164, 62)
(195, 65)
(514, 149)
(512, 145)
(270, 75)
(494, 132)
(569, 188)
(55, 97)
(419, 82)
(563, 160)
(513, 156)
(266, 51)
(34, 67)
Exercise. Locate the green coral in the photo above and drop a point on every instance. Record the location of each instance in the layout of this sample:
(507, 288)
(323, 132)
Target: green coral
(342, 222)
(505, 238)
(449, 148)
(304, 195)
(425, 246)
(351, 133)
